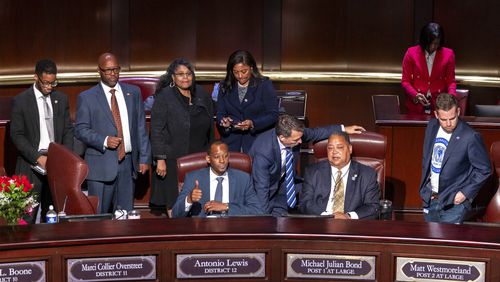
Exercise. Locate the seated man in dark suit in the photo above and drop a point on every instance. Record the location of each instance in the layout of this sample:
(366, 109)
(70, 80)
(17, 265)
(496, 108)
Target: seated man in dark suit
(340, 186)
(217, 190)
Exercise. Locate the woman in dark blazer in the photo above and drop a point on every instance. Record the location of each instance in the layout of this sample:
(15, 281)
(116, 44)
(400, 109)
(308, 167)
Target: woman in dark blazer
(246, 105)
(181, 124)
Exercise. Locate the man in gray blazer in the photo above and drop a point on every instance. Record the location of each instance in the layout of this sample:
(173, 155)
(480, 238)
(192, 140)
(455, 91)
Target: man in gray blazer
(217, 190)
(110, 121)
(340, 186)
(40, 115)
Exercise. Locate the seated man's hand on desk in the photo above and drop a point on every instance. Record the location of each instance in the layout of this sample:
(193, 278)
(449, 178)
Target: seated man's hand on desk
(214, 206)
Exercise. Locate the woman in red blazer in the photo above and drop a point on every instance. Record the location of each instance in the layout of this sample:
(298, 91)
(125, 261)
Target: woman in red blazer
(421, 84)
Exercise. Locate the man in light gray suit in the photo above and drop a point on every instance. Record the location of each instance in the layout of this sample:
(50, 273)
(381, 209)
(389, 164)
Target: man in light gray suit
(110, 121)
(217, 189)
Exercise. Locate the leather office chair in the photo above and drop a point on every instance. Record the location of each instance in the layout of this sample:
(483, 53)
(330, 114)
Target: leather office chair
(385, 106)
(462, 98)
(368, 148)
(66, 172)
(196, 161)
(146, 84)
(492, 213)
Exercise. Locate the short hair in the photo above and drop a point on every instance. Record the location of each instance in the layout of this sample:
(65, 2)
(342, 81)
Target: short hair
(445, 102)
(216, 142)
(430, 32)
(286, 123)
(45, 66)
(342, 134)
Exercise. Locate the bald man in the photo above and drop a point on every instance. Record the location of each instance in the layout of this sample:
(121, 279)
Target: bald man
(110, 121)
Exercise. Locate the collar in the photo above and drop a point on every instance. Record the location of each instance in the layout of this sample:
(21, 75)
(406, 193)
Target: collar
(344, 170)
(214, 176)
(107, 88)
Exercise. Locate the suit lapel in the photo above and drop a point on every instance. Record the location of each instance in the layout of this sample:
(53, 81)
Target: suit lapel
(436, 64)
(231, 184)
(102, 101)
(205, 189)
(35, 115)
(250, 95)
(129, 101)
(325, 182)
(234, 99)
(351, 185)
(453, 143)
(54, 99)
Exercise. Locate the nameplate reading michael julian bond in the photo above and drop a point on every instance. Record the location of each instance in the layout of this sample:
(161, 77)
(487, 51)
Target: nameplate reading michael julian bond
(135, 268)
(320, 266)
(423, 269)
(241, 265)
(23, 271)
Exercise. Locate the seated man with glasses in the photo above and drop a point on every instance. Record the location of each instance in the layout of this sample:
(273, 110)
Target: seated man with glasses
(110, 121)
(48, 108)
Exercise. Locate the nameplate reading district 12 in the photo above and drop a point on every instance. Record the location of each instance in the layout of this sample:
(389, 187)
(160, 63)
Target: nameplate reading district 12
(23, 271)
(241, 265)
(422, 269)
(320, 266)
(112, 268)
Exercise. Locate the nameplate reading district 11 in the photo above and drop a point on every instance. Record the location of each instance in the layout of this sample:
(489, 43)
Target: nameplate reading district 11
(321, 266)
(241, 265)
(112, 268)
(422, 269)
(23, 271)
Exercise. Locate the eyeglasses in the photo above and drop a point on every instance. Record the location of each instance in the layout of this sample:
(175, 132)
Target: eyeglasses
(184, 74)
(47, 84)
(111, 71)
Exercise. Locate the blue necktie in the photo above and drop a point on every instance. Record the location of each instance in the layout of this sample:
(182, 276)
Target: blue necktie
(289, 179)
(218, 190)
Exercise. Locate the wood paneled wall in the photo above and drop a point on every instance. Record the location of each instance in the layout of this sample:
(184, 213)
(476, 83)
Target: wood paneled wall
(329, 35)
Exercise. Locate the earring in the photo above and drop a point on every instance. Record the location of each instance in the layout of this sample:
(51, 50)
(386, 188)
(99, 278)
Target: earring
(172, 84)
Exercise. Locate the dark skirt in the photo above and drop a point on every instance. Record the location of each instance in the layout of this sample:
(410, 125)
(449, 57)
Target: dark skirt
(164, 191)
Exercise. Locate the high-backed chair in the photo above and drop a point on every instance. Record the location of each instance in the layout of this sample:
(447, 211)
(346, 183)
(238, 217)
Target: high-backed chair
(487, 110)
(385, 106)
(368, 148)
(462, 99)
(196, 161)
(492, 213)
(66, 172)
(146, 84)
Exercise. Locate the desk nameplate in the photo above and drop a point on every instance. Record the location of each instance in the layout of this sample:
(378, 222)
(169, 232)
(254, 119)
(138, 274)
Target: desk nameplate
(135, 268)
(324, 266)
(23, 271)
(223, 265)
(423, 269)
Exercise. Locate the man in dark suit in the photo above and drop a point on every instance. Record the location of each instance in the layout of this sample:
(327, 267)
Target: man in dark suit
(110, 121)
(217, 190)
(40, 115)
(455, 164)
(272, 154)
(340, 186)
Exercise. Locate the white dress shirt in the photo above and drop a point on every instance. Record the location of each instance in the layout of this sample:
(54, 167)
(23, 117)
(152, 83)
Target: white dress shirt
(123, 114)
(344, 178)
(213, 187)
(44, 133)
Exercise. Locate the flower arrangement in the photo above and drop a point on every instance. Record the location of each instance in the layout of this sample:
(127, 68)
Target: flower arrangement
(16, 199)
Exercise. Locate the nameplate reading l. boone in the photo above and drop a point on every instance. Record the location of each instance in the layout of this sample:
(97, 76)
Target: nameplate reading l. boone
(112, 268)
(23, 271)
(423, 269)
(322, 266)
(222, 265)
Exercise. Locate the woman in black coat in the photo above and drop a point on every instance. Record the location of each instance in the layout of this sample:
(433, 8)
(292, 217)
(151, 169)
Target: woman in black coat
(181, 124)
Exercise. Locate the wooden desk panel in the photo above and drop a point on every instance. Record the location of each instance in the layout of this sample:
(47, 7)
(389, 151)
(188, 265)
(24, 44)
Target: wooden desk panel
(275, 237)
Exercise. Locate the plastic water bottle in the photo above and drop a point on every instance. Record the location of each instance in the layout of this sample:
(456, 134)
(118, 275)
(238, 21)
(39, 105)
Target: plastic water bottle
(51, 216)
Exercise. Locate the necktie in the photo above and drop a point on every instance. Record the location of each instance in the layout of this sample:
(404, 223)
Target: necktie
(338, 196)
(218, 190)
(118, 121)
(289, 179)
(48, 118)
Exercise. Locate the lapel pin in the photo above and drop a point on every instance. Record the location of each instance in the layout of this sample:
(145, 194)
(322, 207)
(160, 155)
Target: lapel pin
(245, 100)
(354, 177)
(128, 94)
(55, 102)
